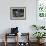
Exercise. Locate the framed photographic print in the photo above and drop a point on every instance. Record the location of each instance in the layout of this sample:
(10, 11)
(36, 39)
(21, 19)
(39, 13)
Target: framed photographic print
(17, 13)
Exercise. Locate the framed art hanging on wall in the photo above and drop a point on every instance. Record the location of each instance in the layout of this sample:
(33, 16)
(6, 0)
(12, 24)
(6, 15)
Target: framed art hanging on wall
(17, 13)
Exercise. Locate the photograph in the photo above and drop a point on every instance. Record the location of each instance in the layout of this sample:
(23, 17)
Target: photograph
(17, 13)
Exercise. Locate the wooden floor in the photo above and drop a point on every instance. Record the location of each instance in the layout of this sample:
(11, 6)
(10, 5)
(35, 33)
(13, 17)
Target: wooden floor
(13, 44)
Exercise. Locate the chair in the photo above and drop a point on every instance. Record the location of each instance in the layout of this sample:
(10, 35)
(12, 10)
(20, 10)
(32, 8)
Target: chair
(14, 32)
(25, 43)
(7, 35)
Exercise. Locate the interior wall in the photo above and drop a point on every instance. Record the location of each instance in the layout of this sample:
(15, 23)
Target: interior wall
(24, 25)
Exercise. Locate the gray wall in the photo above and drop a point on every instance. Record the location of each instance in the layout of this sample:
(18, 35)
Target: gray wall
(24, 25)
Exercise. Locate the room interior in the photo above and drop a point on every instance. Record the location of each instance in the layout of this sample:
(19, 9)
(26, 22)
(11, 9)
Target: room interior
(22, 22)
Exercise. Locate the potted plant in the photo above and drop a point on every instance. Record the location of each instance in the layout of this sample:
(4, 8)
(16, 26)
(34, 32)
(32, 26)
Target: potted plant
(35, 26)
(38, 27)
(39, 35)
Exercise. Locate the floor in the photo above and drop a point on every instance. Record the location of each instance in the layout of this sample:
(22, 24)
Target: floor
(13, 44)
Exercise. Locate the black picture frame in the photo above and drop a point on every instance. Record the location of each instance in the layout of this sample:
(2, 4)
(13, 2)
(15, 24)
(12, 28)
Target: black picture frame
(17, 13)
